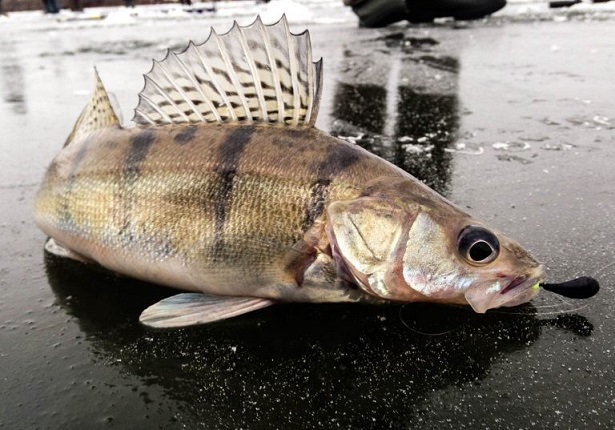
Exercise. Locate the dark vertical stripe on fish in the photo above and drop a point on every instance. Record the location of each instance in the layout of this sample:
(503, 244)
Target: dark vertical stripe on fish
(140, 145)
(185, 136)
(318, 195)
(339, 158)
(229, 157)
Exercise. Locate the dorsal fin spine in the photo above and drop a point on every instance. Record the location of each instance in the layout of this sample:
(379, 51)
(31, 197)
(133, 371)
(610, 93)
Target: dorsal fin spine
(166, 117)
(230, 70)
(210, 105)
(258, 85)
(154, 106)
(212, 77)
(198, 88)
(312, 98)
(179, 90)
(236, 80)
(294, 70)
(164, 93)
(274, 71)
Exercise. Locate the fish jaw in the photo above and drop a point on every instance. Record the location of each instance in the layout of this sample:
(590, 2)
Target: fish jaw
(507, 292)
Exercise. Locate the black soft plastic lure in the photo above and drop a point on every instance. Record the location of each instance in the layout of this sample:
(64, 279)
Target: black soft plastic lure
(579, 288)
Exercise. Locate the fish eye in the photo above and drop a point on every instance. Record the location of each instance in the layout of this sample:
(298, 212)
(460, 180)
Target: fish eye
(478, 245)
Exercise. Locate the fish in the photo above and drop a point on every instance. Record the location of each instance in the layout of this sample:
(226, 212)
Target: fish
(222, 187)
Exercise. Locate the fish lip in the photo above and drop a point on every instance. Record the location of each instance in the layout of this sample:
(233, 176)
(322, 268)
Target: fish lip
(520, 284)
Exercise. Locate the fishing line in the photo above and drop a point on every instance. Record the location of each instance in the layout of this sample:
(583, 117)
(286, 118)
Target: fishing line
(604, 268)
(579, 288)
(462, 325)
(560, 312)
(547, 306)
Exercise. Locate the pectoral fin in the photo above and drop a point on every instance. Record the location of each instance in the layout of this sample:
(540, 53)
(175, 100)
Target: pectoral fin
(188, 309)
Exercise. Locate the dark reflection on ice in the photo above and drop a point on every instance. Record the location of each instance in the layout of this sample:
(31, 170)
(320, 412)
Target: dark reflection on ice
(425, 119)
(12, 76)
(431, 121)
(361, 105)
(293, 365)
(121, 47)
(426, 126)
(442, 62)
(407, 43)
(575, 323)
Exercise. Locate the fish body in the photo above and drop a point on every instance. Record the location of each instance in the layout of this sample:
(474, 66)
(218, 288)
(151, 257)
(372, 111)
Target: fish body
(216, 209)
(226, 189)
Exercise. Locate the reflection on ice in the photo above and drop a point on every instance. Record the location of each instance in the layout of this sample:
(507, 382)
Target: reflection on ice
(408, 124)
(13, 86)
(297, 365)
(12, 79)
(292, 365)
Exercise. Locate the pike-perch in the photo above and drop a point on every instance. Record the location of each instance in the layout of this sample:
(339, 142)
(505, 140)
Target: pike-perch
(225, 188)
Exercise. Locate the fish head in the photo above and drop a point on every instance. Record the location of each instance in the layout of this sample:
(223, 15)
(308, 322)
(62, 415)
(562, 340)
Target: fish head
(466, 262)
(429, 251)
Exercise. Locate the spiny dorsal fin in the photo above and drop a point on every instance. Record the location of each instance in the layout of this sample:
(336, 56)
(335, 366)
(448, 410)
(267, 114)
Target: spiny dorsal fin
(253, 74)
(99, 113)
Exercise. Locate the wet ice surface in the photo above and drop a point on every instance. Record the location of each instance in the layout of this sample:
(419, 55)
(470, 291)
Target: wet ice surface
(511, 118)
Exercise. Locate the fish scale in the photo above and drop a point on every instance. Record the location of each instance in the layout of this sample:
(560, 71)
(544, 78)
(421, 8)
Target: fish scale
(225, 188)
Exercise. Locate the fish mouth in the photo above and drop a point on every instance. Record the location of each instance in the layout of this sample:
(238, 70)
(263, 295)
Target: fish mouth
(520, 285)
(512, 291)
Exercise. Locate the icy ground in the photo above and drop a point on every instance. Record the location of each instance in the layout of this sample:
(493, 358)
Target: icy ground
(297, 12)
